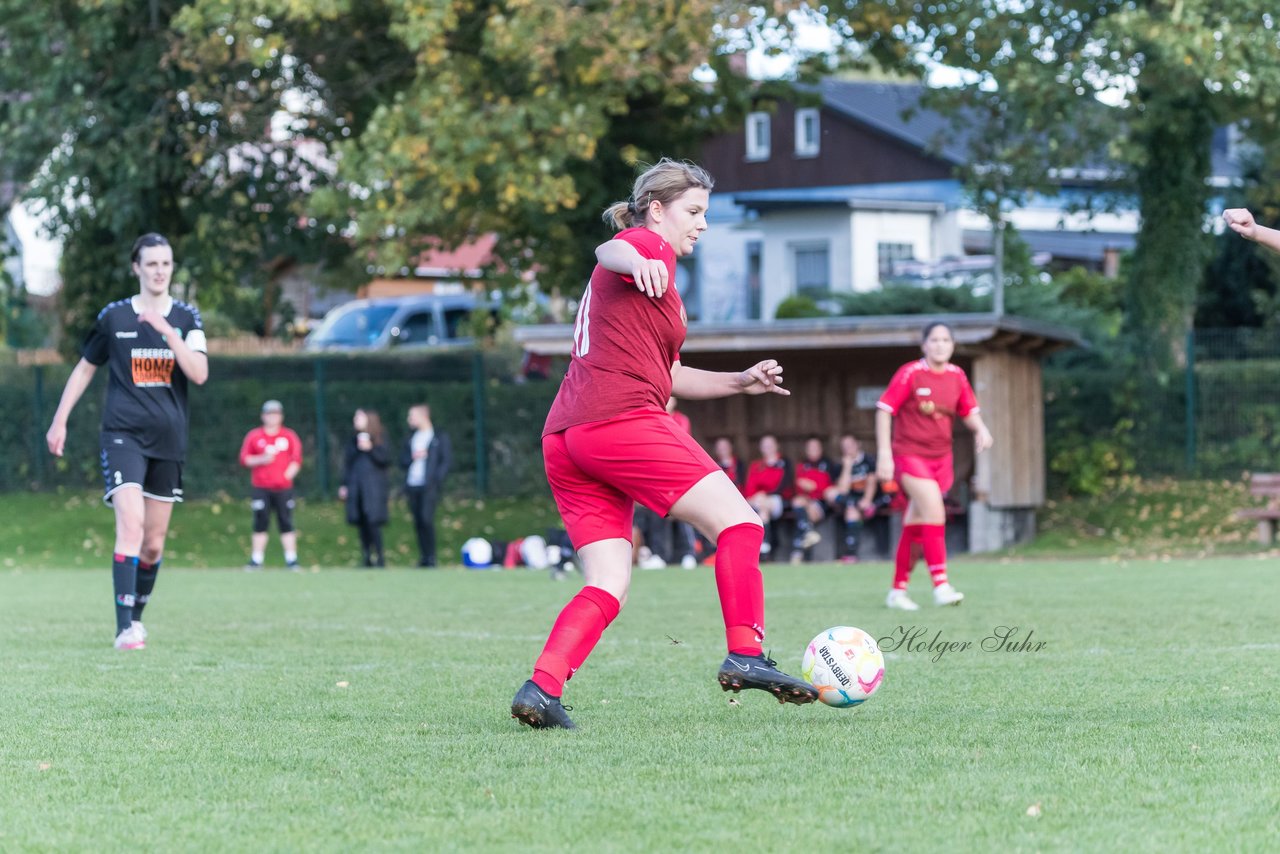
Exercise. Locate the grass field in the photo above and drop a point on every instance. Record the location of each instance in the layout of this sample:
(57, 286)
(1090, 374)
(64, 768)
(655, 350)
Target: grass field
(349, 710)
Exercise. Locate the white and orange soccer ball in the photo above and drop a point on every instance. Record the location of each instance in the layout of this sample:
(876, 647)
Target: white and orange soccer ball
(845, 665)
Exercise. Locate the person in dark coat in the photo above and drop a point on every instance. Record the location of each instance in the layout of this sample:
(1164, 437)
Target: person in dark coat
(364, 484)
(425, 458)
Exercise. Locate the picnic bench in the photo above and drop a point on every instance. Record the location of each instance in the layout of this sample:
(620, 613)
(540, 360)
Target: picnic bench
(1264, 485)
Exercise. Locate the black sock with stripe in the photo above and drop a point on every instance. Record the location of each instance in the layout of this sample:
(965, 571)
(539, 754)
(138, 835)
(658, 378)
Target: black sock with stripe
(146, 583)
(124, 577)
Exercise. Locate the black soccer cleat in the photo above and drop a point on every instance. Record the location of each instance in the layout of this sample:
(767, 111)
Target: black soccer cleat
(760, 671)
(536, 708)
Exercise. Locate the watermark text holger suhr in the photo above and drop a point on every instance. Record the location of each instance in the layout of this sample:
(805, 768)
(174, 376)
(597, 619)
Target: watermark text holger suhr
(917, 639)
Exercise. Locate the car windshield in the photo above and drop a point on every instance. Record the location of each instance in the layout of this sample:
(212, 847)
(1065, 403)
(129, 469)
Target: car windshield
(359, 327)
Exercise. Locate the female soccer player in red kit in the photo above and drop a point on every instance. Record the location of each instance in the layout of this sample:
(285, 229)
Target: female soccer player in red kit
(913, 444)
(609, 442)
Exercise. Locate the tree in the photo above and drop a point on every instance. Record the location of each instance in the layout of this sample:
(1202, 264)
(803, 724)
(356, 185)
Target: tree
(258, 134)
(123, 120)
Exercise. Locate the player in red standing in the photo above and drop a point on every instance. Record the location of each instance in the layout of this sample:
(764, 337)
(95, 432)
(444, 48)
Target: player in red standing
(273, 453)
(608, 442)
(913, 446)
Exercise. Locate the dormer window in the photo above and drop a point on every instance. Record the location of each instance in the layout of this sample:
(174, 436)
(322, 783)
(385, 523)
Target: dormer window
(758, 131)
(808, 133)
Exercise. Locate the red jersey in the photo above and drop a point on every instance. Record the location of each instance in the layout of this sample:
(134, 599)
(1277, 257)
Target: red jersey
(924, 402)
(288, 450)
(820, 477)
(624, 343)
(770, 478)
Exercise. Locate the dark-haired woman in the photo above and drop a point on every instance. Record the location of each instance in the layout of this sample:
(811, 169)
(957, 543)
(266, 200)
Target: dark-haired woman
(154, 345)
(913, 446)
(365, 487)
(609, 442)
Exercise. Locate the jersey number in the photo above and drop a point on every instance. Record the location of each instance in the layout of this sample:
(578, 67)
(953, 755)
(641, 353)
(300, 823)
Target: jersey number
(582, 326)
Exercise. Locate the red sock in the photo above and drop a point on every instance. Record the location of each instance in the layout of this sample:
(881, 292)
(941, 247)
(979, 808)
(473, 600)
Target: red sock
(935, 551)
(576, 632)
(741, 587)
(905, 560)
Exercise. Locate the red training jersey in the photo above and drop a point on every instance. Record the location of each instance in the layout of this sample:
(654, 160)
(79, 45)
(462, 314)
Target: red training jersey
(288, 450)
(624, 343)
(806, 472)
(924, 402)
(771, 478)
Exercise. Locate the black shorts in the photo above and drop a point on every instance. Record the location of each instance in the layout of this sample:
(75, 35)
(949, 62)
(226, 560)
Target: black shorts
(124, 466)
(268, 501)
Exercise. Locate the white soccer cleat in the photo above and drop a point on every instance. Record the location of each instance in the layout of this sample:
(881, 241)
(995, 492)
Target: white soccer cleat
(945, 594)
(689, 562)
(130, 638)
(900, 600)
(137, 626)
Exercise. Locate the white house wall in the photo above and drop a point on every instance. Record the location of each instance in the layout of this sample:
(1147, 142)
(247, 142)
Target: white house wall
(784, 232)
(932, 236)
(721, 260)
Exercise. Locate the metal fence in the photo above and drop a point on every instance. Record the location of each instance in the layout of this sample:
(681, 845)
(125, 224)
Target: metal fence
(1218, 417)
(493, 421)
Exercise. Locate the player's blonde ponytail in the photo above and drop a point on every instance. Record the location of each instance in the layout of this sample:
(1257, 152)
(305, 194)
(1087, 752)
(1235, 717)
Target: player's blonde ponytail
(662, 182)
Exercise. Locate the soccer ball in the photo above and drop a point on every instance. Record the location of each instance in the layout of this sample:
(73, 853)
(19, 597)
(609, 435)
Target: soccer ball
(845, 665)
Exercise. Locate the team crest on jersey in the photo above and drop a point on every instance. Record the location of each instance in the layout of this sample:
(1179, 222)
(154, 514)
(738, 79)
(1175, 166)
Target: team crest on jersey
(927, 407)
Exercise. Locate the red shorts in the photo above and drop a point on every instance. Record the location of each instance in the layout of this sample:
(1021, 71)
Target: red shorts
(598, 471)
(931, 468)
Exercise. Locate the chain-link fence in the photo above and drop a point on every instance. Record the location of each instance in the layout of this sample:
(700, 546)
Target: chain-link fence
(493, 421)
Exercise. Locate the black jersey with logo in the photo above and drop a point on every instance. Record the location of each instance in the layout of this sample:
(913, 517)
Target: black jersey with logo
(146, 392)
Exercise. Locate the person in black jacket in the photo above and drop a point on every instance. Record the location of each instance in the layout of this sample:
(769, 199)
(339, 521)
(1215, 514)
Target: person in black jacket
(364, 484)
(425, 457)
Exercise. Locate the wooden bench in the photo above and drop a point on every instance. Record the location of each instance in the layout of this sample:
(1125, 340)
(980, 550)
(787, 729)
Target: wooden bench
(1264, 486)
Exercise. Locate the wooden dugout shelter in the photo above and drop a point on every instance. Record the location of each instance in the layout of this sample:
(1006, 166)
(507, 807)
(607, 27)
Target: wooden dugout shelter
(836, 369)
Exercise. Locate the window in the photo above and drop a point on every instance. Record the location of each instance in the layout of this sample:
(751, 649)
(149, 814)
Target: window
(455, 323)
(687, 285)
(755, 251)
(758, 131)
(887, 253)
(808, 133)
(813, 273)
(417, 328)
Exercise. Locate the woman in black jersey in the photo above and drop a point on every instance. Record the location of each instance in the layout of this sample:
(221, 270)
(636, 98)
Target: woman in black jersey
(153, 346)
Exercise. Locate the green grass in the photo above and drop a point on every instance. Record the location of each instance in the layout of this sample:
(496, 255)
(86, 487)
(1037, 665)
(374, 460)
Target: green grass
(78, 530)
(349, 710)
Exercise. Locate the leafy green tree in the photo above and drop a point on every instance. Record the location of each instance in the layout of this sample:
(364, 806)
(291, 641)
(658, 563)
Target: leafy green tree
(124, 118)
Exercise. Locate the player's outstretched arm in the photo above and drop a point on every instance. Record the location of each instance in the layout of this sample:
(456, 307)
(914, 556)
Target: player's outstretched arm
(79, 380)
(1241, 221)
(694, 384)
(621, 257)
